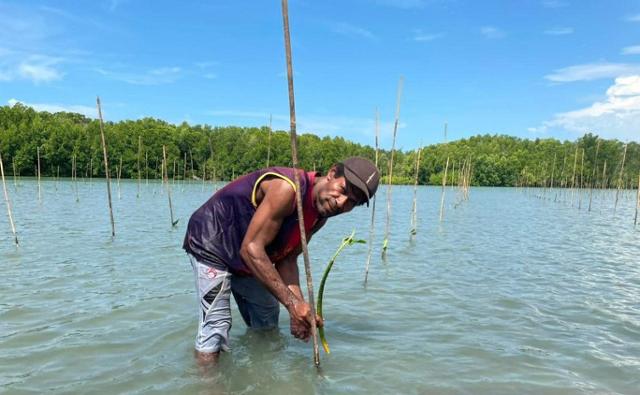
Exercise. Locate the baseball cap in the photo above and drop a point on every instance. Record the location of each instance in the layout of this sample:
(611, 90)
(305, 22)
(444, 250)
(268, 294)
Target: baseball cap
(362, 174)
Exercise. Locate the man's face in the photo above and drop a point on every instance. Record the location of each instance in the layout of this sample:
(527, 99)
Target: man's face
(336, 196)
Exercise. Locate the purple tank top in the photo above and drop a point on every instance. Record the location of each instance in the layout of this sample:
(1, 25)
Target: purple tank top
(216, 229)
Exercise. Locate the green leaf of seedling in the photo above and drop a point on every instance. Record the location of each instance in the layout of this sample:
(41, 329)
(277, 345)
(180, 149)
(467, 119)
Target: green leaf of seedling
(345, 242)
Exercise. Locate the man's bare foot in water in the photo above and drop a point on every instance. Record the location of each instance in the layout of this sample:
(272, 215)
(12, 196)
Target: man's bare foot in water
(206, 360)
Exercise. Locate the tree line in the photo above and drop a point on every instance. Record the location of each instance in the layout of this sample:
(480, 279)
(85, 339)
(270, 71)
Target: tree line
(221, 153)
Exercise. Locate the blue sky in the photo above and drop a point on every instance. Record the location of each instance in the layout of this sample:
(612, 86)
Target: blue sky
(530, 68)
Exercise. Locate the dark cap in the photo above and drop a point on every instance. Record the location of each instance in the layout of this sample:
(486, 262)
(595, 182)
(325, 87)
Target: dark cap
(362, 174)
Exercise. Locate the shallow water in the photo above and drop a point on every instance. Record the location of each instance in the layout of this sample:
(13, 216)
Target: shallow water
(509, 294)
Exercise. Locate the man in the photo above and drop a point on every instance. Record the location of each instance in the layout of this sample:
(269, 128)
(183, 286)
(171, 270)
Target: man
(245, 240)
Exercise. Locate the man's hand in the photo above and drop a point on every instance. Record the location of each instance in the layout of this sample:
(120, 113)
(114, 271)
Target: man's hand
(300, 314)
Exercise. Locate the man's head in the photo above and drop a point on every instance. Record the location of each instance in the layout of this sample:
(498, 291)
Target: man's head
(350, 183)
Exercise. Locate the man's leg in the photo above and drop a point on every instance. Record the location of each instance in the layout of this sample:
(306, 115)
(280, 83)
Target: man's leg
(258, 307)
(213, 289)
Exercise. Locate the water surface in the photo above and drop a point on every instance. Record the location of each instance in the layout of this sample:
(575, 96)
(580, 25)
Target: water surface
(512, 293)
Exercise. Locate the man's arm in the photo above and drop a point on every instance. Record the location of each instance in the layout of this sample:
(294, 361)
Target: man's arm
(277, 203)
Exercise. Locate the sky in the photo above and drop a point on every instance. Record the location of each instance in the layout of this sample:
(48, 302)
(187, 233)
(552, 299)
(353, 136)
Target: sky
(527, 68)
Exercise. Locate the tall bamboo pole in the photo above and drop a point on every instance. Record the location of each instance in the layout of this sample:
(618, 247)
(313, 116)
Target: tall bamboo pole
(573, 175)
(165, 180)
(74, 176)
(624, 156)
(294, 158)
(385, 244)
(444, 185)
(106, 166)
(39, 188)
(414, 216)
(593, 175)
(581, 180)
(8, 202)
(139, 167)
(13, 164)
(146, 167)
(635, 218)
(373, 208)
(553, 171)
(119, 174)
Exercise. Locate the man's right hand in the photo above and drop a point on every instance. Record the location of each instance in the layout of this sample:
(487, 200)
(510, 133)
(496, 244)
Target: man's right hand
(300, 314)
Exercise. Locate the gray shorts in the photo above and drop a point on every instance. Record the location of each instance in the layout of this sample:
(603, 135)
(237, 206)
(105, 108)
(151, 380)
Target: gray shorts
(214, 285)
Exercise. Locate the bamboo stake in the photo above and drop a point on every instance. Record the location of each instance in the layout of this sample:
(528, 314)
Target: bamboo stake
(444, 184)
(74, 176)
(119, 173)
(593, 175)
(581, 181)
(184, 171)
(204, 174)
(6, 199)
(106, 166)
(294, 158)
(414, 218)
(573, 175)
(138, 160)
(90, 171)
(624, 156)
(165, 180)
(385, 244)
(146, 167)
(635, 218)
(174, 172)
(553, 171)
(373, 208)
(39, 188)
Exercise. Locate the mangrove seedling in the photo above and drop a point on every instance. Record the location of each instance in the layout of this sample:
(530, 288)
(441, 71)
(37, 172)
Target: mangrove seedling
(347, 241)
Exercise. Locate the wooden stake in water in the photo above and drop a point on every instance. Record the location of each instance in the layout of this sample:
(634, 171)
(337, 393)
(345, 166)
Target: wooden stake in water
(13, 164)
(581, 180)
(593, 175)
(385, 243)
(39, 188)
(119, 173)
(373, 208)
(573, 175)
(8, 202)
(166, 184)
(294, 158)
(139, 168)
(444, 184)
(635, 218)
(106, 166)
(414, 217)
(624, 156)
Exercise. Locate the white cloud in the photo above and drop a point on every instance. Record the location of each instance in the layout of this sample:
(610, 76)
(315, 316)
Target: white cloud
(423, 37)
(158, 76)
(492, 32)
(347, 29)
(210, 76)
(632, 50)
(35, 68)
(87, 111)
(592, 71)
(559, 31)
(616, 117)
(633, 18)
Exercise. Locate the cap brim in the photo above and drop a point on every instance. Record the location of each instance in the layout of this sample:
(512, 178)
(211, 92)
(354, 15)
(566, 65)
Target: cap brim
(357, 182)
